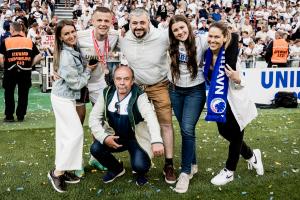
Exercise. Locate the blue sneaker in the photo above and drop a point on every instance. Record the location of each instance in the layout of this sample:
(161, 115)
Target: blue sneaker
(95, 164)
(111, 176)
(141, 180)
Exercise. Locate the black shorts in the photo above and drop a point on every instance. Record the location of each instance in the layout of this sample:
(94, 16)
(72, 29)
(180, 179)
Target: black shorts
(84, 96)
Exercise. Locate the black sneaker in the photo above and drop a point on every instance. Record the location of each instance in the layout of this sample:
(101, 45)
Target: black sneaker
(141, 180)
(58, 183)
(9, 119)
(20, 118)
(111, 176)
(71, 177)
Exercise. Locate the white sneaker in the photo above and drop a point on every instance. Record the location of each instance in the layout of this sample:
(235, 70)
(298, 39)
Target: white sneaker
(256, 162)
(194, 170)
(182, 184)
(225, 176)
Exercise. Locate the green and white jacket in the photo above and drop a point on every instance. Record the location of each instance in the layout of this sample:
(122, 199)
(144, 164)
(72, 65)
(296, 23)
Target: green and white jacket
(141, 115)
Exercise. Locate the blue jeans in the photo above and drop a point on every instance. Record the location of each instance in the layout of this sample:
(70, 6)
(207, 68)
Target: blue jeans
(187, 104)
(140, 161)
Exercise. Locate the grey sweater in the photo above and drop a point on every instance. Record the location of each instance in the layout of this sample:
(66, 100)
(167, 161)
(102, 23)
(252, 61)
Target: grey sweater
(148, 56)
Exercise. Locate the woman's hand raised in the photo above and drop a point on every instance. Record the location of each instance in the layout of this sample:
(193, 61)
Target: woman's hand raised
(232, 74)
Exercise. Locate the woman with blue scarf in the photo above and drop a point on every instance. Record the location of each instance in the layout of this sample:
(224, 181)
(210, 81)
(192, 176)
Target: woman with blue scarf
(228, 103)
(187, 91)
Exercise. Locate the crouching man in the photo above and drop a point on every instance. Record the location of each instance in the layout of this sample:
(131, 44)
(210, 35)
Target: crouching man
(123, 119)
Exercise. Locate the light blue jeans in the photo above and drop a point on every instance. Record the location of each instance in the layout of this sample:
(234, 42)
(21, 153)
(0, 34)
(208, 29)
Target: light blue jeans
(187, 104)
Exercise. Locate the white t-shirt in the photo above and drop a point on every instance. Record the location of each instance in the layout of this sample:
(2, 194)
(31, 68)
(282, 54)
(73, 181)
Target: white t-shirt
(87, 50)
(185, 76)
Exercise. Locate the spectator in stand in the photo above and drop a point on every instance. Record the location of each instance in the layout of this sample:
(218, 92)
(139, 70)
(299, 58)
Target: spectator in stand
(67, 3)
(202, 27)
(295, 53)
(170, 8)
(35, 4)
(77, 9)
(162, 10)
(246, 39)
(272, 19)
(203, 12)
(6, 34)
(271, 33)
(86, 19)
(77, 23)
(33, 31)
(53, 22)
(216, 15)
(262, 34)
(22, 16)
(247, 27)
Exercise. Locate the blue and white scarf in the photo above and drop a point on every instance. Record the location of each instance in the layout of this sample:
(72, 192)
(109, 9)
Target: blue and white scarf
(217, 94)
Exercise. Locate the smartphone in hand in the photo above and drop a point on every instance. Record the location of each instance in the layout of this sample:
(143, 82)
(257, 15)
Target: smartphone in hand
(93, 61)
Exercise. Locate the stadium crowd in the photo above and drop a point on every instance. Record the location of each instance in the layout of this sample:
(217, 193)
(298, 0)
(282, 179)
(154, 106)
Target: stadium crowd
(256, 22)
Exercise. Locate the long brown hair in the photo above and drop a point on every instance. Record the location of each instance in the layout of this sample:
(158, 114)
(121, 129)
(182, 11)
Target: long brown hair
(58, 44)
(190, 47)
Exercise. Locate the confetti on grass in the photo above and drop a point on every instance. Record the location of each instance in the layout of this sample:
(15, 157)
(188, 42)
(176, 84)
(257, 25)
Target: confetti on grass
(99, 192)
(20, 189)
(244, 193)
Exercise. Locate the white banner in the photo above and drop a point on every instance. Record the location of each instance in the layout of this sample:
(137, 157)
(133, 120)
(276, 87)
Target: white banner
(263, 84)
(48, 41)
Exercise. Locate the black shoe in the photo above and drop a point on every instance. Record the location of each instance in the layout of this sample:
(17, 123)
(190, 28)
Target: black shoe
(71, 177)
(111, 176)
(58, 183)
(141, 180)
(8, 119)
(20, 118)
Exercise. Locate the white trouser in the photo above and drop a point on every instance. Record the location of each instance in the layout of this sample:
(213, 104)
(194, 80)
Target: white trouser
(68, 134)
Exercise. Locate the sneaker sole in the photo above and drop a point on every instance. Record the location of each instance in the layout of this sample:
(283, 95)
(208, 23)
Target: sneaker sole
(72, 182)
(180, 191)
(168, 181)
(120, 174)
(140, 185)
(52, 183)
(222, 183)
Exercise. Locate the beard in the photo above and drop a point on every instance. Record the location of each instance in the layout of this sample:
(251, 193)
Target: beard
(140, 35)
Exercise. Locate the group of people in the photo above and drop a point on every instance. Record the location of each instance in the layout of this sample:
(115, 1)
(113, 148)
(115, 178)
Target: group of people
(165, 70)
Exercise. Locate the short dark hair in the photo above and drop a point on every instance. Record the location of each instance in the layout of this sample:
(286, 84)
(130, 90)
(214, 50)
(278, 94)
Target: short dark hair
(16, 26)
(102, 10)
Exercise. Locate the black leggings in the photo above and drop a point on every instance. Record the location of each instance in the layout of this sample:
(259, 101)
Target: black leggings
(230, 130)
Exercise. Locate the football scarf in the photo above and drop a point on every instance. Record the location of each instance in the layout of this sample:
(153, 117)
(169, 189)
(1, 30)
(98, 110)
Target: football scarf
(217, 94)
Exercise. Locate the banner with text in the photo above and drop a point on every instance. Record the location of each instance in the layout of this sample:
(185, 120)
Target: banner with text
(263, 84)
(48, 41)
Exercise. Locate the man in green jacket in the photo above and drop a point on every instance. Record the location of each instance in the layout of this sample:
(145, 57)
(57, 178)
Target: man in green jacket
(123, 119)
